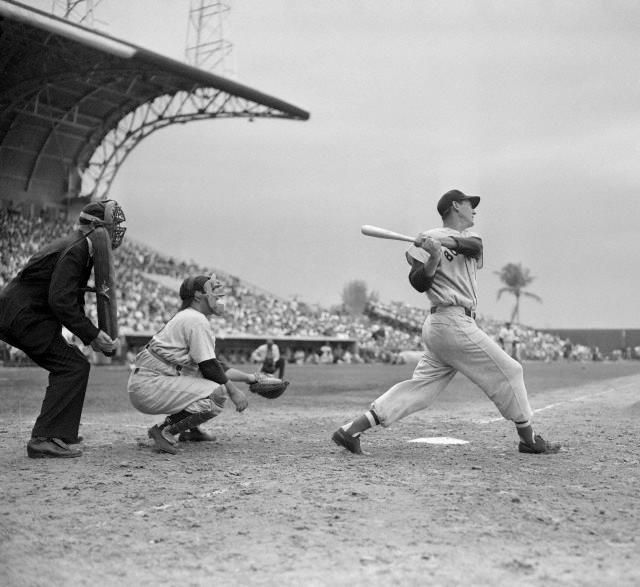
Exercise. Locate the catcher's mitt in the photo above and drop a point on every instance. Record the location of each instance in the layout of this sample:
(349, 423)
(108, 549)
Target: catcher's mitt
(269, 387)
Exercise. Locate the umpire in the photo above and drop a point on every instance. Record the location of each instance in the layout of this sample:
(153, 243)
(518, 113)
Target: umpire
(47, 294)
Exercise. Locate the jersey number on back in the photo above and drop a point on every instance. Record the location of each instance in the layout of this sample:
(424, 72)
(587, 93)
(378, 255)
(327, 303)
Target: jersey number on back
(449, 255)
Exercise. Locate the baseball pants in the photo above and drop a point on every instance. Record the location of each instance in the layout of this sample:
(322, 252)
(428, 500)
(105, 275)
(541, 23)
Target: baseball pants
(158, 388)
(453, 342)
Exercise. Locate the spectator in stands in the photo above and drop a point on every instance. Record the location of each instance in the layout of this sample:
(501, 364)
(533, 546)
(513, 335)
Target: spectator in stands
(147, 300)
(508, 339)
(5, 352)
(268, 355)
(326, 354)
(45, 296)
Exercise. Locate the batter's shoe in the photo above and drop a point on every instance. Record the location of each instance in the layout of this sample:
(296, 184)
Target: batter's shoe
(540, 446)
(351, 443)
(162, 444)
(196, 435)
(50, 448)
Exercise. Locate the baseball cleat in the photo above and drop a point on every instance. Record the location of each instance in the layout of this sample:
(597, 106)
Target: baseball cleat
(351, 443)
(162, 444)
(540, 446)
(196, 435)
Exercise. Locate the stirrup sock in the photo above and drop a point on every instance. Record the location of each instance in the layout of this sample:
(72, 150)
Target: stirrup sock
(368, 420)
(191, 421)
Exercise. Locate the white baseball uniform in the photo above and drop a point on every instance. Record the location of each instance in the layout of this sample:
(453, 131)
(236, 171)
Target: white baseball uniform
(166, 378)
(453, 342)
(509, 338)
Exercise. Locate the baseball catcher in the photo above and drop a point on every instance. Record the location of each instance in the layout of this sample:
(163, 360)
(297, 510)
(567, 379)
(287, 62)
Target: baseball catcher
(178, 373)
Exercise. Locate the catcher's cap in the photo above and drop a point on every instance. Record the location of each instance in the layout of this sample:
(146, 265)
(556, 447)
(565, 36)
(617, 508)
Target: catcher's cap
(444, 203)
(191, 285)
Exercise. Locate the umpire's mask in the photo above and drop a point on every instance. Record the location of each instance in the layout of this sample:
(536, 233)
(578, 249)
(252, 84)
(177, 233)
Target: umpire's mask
(109, 214)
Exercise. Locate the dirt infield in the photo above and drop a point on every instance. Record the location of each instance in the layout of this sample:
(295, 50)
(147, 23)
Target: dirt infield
(274, 502)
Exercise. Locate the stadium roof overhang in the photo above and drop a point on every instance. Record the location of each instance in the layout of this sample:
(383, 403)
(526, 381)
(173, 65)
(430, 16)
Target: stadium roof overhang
(74, 102)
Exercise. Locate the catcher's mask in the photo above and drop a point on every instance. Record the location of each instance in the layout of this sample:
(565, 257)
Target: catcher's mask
(109, 214)
(215, 299)
(209, 286)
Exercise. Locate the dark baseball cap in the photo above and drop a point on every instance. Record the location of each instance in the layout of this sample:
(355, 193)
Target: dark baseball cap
(191, 285)
(93, 209)
(444, 203)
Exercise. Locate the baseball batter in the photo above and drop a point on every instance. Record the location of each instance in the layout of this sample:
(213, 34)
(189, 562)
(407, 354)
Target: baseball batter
(443, 264)
(178, 373)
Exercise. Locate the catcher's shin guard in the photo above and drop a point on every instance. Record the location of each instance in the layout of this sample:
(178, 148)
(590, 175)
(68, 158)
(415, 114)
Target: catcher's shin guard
(190, 421)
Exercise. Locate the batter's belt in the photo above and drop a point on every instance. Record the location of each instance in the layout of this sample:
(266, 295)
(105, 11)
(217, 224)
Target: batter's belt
(468, 311)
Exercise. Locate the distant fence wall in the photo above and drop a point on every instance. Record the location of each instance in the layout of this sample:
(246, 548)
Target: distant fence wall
(606, 339)
(243, 346)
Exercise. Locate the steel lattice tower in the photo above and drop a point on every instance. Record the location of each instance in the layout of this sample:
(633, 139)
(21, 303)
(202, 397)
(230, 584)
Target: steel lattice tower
(80, 11)
(208, 31)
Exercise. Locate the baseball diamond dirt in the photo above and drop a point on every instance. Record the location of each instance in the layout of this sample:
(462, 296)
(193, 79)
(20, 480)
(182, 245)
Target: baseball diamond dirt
(274, 502)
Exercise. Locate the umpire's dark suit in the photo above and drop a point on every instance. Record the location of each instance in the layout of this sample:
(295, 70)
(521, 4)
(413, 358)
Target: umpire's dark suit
(46, 295)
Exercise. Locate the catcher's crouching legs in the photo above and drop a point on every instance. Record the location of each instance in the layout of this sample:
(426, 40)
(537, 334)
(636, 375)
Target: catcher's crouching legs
(186, 422)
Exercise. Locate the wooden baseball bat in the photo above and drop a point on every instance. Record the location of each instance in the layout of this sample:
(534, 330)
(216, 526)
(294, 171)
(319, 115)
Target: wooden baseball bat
(377, 232)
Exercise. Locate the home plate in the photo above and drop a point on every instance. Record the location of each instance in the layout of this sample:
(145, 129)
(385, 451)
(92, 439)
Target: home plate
(439, 440)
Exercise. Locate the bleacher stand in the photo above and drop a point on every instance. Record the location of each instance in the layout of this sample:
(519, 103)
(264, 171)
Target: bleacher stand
(382, 332)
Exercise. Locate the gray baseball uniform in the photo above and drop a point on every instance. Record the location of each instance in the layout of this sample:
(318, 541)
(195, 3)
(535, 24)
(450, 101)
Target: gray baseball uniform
(444, 262)
(166, 378)
(454, 343)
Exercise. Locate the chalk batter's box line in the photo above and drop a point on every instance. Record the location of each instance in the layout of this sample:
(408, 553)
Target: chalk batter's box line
(550, 406)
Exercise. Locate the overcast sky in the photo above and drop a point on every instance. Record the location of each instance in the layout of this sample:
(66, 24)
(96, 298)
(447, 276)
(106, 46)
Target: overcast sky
(534, 106)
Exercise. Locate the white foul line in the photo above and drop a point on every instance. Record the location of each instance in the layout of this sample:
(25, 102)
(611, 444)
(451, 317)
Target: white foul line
(549, 406)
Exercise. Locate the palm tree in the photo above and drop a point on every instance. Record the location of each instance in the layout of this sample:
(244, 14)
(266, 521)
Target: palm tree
(516, 278)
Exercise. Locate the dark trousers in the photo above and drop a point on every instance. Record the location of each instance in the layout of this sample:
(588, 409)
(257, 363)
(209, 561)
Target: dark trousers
(64, 397)
(270, 367)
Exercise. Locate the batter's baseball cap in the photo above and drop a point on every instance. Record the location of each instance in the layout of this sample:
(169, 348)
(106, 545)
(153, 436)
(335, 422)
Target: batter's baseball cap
(444, 203)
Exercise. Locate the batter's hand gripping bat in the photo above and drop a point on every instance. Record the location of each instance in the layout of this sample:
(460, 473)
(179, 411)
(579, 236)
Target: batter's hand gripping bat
(378, 232)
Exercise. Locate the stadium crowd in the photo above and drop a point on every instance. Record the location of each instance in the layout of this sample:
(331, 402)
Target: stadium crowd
(147, 287)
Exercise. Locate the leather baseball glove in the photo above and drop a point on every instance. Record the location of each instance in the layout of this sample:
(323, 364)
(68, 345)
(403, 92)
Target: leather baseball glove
(269, 387)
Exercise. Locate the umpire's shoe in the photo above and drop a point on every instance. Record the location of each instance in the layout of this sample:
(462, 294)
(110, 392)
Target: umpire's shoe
(162, 444)
(540, 446)
(50, 448)
(76, 440)
(351, 443)
(196, 435)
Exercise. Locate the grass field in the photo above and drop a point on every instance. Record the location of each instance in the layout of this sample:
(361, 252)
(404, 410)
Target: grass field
(274, 502)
